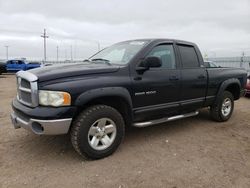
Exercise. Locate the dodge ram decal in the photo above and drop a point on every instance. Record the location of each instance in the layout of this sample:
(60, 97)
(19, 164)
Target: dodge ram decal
(145, 93)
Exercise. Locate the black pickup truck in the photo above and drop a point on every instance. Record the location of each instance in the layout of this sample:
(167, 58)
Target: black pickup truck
(138, 82)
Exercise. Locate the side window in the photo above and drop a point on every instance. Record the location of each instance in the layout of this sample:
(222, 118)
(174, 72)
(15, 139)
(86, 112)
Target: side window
(188, 57)
(166, 53)
(20, 62)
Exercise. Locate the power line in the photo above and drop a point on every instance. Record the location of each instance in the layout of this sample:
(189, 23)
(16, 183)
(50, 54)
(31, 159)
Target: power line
(44, 36)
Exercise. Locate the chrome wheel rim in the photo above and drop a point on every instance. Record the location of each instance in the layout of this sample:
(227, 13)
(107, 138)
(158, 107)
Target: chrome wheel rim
(102, 134)
(226, 107)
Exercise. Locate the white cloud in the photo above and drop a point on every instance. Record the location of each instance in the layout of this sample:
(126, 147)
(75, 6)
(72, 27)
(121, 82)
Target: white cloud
(221, 27)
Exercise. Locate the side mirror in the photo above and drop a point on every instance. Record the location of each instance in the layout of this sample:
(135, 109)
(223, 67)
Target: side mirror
(149, 62)
(152, 62)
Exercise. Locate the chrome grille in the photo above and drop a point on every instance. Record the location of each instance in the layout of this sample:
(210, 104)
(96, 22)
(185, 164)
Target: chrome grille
(27, 93)
(25, 83)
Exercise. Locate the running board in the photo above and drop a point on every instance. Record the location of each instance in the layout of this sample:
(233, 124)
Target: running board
(166, 119)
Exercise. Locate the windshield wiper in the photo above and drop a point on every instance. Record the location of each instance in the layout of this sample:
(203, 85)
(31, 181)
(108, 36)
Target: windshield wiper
(102, 60)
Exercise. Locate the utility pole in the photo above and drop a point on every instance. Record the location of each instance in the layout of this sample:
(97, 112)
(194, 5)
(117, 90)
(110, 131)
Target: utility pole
(71, 54)
(7, 52)
(44, 36)
(66, 57)
(99, 46)
(243, 54)
(57, 53)
(242, 59)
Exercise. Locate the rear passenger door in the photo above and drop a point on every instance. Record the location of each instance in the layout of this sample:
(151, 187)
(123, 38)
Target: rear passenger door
(194, 78)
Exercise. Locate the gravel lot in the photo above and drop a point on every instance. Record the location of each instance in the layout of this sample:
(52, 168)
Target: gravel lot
(193, 152)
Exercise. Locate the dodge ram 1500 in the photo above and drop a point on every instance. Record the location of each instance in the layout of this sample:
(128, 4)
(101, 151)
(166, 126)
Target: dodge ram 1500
(139, 83)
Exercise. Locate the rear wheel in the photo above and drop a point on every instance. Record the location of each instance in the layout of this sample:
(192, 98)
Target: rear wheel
(223, 110)
(97, 131)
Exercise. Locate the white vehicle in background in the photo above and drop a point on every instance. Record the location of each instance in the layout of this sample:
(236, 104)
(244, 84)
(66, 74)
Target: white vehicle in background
(210, 64)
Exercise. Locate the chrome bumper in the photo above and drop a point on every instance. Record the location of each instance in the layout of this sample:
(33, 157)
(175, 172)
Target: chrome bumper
(41, 127)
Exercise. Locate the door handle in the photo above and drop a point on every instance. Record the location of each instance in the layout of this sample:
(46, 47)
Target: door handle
(137, 78)
(173, 78)
(201, 77)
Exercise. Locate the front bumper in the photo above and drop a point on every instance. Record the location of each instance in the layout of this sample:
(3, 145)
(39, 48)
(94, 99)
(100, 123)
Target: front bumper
(42, 120)
(41, 127)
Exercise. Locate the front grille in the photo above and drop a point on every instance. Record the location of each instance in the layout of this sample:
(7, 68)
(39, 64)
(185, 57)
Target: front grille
(25, 83)
(27, 89)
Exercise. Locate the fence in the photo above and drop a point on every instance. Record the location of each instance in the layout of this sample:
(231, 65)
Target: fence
(242, 62)
(239, 62)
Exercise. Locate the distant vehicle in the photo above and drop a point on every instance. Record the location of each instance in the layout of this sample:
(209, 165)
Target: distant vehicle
(210, 64)
(248, 87)
(67, 61)
(17, 65)
(34, 62)
(2, 67)
(47, 64)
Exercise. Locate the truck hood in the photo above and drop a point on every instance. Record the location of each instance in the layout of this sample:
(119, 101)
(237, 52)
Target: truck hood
(70, 70)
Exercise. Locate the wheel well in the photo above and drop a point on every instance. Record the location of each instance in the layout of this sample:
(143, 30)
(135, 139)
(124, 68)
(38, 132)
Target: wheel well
(235, 90)
(120, 104)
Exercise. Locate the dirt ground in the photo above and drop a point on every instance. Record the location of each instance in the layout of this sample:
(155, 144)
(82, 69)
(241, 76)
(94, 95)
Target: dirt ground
(193, 152)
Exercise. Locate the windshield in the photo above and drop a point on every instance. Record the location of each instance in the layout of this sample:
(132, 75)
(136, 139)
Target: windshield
(120, 53)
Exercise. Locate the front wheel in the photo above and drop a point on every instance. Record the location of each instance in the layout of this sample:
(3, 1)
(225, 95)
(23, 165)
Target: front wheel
(97, 131)
(223, 110)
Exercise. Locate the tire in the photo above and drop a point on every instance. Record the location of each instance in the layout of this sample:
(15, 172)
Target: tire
(222, 111)
(88, 136)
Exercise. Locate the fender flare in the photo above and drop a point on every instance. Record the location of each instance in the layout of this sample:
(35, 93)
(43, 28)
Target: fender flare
(224, 85)
(89, 95)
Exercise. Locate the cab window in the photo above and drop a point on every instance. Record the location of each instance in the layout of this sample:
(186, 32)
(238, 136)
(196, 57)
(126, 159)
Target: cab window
(166, 53)
(189, 57)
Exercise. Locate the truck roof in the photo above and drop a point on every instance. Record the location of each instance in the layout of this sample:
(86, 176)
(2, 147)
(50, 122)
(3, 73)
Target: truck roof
(163, 40)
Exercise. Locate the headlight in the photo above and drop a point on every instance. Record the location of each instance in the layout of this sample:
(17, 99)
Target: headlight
(54, 98)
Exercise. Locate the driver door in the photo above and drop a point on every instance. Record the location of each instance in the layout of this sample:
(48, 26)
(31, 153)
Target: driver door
(157, 90)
